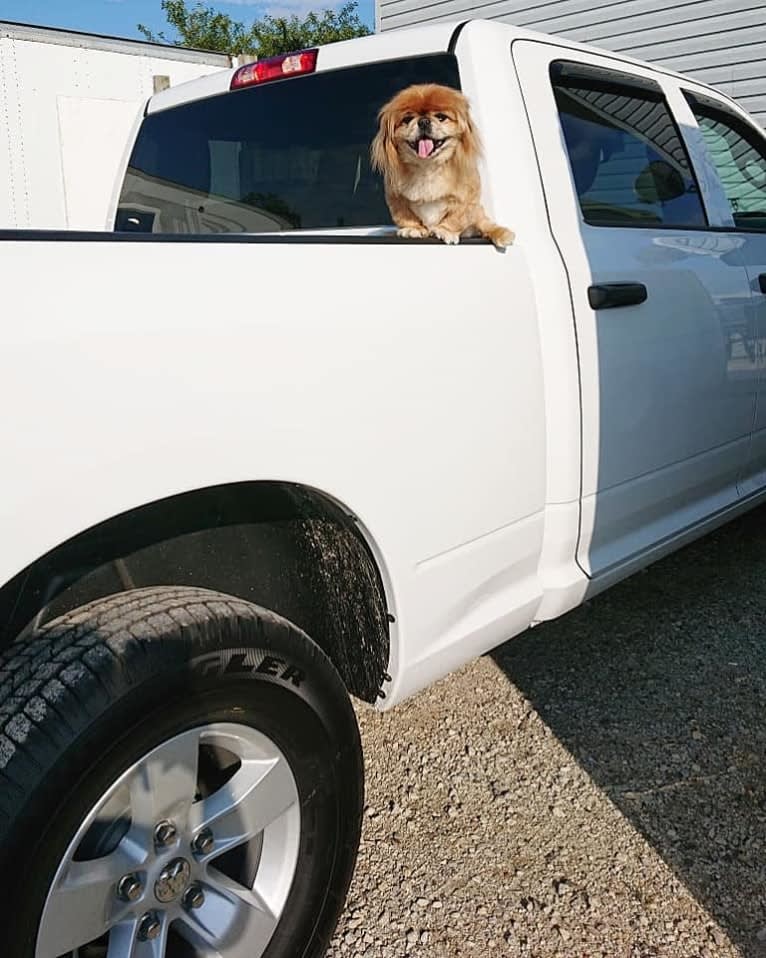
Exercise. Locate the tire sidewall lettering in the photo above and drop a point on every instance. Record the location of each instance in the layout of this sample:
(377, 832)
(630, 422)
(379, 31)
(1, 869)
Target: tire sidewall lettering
(243, 662)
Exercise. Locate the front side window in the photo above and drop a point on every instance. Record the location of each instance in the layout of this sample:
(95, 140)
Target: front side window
(739, 156)
(293, 154)
(628, 163)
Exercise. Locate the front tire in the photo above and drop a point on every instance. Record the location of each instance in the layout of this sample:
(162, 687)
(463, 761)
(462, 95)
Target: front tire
(180, 775)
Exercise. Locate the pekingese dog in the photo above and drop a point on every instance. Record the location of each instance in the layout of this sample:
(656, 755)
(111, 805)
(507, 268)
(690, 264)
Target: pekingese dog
(427, 149)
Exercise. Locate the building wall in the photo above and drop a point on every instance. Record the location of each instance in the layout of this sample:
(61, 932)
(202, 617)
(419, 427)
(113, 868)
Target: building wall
(722, 42)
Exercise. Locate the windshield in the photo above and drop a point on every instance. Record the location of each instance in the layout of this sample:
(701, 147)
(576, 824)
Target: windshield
(293, 154)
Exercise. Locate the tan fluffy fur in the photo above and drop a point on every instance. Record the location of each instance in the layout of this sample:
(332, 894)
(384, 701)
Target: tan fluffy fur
(438, 195)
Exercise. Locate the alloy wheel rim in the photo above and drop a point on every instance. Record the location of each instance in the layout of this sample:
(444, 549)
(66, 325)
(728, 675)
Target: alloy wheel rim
(174, 856)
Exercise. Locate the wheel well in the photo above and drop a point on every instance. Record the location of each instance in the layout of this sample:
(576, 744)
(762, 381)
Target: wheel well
(285, 547)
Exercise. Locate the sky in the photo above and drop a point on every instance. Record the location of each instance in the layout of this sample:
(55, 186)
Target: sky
(120, 17)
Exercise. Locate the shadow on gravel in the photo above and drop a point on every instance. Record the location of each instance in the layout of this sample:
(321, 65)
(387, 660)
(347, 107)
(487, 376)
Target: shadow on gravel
(658, 689)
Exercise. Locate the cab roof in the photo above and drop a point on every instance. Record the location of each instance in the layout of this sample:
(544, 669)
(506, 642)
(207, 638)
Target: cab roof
(408, 42)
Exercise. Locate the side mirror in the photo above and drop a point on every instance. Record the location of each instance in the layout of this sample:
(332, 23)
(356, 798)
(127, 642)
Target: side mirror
(659, 182)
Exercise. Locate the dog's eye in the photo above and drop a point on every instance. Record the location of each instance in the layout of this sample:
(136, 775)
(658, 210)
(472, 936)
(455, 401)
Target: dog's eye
(441, 117)
(406, 119)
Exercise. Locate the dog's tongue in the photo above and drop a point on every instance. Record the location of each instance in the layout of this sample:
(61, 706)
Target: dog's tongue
(425, 148)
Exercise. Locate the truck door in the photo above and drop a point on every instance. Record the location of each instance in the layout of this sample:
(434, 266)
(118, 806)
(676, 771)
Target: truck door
(657, 293)
(737, 150)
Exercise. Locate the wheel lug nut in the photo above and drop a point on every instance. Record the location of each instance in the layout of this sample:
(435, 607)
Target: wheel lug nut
(194, 897)
(129, 887)
(149, 927)
(204, 843)
(165, 834)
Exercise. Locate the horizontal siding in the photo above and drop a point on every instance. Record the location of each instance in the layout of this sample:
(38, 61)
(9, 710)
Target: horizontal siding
(721, 42)
(405, 13)
(520, 12)
(633, 18)
(656, 45)
(623, 35)
(755, 106)
(747, 55)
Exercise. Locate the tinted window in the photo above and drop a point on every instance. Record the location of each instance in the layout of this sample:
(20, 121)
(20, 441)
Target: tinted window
(288, 155)
(628, 163)
(738, 155)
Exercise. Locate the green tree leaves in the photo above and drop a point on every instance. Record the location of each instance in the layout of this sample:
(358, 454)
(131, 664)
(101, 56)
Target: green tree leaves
(206, 28)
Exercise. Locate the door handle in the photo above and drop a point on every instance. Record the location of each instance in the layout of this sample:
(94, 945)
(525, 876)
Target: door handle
(762, 282)
(611, 295)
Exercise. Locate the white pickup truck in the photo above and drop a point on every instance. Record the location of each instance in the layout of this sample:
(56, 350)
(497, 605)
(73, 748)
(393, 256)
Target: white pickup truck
(259, 455)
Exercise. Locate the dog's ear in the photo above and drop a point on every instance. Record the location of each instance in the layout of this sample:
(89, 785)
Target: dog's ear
(471, 141)
(383, 155)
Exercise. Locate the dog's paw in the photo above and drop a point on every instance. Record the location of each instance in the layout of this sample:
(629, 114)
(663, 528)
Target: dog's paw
(412, 232)
(501, 236)
(446, 236)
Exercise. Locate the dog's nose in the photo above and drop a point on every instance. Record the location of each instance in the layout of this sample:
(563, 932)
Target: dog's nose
(423, 124)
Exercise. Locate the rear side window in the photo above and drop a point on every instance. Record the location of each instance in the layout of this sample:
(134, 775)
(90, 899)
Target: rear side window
(628, 163)
(292, 154)
(739, 156)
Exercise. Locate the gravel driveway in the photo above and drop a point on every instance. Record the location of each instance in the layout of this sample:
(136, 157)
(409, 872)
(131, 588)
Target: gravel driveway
(596, 787)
